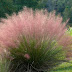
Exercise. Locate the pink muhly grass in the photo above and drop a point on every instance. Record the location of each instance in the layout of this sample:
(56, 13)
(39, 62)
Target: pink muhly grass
(39, 25)
(35, 38)
(27, 56)
(66, 42)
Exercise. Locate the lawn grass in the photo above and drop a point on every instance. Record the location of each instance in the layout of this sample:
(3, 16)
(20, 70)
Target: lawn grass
(64, 67)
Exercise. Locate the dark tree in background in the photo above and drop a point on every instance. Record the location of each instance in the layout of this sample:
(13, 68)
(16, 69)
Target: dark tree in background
(6, 6)
(29, 3)
(64, 7)
(68, 12)
(10, 6)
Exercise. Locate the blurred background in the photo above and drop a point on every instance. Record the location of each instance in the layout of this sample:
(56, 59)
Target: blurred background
(63, 7)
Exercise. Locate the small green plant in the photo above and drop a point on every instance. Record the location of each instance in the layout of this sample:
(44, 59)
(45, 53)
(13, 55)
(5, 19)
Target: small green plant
(70, 31)
(4, 65)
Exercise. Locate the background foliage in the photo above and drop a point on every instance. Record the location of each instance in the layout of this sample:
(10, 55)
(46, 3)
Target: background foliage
(10, 6)
(64, 7)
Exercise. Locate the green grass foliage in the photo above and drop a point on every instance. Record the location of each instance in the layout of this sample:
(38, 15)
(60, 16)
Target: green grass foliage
(44, 55)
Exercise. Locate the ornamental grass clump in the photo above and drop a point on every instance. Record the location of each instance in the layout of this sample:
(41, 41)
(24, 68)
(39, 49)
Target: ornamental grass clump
(32, 40)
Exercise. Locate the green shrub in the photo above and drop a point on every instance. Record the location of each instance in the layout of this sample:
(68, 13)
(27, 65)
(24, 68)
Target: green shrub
(70, 31)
